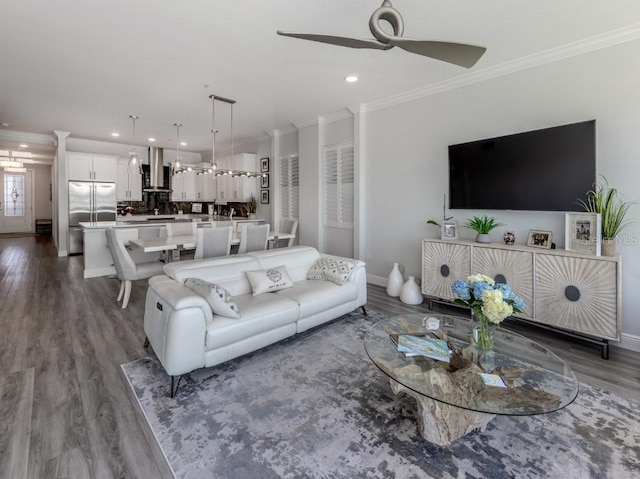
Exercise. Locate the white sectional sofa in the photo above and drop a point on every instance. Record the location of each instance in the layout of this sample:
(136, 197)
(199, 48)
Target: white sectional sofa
(186, 334)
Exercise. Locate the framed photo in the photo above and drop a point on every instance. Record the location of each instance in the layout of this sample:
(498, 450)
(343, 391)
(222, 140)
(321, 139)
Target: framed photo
(264, 181)
(539, 239)
(264, 165)
(583, 233)
(449, 230)
(264, 197)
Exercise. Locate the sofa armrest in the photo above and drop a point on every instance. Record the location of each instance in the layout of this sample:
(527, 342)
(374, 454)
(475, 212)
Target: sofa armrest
(175, 322)
(358, 276)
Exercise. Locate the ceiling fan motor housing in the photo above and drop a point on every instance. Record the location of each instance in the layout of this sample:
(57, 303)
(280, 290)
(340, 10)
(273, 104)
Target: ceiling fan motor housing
(389, 14)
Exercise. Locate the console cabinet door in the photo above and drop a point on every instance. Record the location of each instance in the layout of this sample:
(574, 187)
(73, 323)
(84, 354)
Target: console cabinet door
(578, 294)
(514, 268)
(442, 264)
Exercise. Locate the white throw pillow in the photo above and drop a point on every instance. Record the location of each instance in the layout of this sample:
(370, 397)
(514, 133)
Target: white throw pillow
(272, 279)
(218, 298)
(332, 268)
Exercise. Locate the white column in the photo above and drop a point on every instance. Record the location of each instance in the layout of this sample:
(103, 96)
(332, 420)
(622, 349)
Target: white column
(61, 195)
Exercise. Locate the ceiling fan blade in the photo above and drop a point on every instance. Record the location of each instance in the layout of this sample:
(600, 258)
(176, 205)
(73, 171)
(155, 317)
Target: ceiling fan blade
(341, 41)
(457, 53)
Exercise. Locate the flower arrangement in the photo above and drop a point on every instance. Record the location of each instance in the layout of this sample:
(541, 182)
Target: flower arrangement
(490, 302)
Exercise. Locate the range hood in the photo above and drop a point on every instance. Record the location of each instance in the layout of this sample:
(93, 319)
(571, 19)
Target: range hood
(156, 183)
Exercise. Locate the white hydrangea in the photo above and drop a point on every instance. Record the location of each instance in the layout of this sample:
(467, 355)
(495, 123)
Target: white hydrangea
(476, 278)
(494, 307)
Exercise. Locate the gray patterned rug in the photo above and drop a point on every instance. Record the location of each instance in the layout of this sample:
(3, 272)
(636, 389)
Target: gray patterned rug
(315, 407)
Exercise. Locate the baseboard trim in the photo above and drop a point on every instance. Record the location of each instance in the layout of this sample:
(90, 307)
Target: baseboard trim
(377, 280)
(628, 341)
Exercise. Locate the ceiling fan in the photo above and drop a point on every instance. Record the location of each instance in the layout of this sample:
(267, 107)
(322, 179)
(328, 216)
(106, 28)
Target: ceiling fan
(457, 53)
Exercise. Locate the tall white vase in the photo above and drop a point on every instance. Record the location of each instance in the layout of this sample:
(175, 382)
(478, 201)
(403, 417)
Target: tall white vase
(410, 293)
(394, 281)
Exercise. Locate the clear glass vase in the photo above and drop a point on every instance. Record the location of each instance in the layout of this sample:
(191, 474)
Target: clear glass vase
(483, 331)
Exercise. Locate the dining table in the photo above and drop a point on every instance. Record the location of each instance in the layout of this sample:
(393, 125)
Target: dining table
(174, 244)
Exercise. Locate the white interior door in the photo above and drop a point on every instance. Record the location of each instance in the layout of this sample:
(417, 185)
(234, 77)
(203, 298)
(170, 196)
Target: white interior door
(16, 203)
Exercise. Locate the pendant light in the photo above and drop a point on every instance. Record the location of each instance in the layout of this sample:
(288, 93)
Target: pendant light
(134, 166)
(177, 164)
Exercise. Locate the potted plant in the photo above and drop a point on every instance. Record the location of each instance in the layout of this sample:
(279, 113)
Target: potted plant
(444, 215)
(483, 226)
(604, 199)
(252, 207)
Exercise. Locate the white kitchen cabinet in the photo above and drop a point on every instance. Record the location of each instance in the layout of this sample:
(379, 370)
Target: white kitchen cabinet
(564, 290)
(237, 188)
(128, 184)
(205, 186)
(91, 167)
(183, 186)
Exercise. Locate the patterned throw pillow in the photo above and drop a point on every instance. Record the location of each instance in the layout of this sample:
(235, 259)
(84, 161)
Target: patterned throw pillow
(332, 268)
(273, 279)
(218, 298)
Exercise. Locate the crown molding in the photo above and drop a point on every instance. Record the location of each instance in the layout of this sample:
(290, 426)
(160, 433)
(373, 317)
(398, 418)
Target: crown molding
(597, 42)
(308, 122)
(30, 138)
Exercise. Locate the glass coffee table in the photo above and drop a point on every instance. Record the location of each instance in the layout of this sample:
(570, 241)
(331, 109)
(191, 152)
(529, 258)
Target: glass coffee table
(453, 398)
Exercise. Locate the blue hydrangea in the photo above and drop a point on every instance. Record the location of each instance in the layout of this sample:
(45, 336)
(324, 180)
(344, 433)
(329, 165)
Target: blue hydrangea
(479, 288)
(518, 303)
(461, 290)
(507, 293)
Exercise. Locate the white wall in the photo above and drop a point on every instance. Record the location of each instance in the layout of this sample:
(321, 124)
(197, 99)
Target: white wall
(310, 197)
(406, 154)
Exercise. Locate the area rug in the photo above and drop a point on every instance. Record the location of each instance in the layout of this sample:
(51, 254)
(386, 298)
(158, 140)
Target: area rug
(314, 406)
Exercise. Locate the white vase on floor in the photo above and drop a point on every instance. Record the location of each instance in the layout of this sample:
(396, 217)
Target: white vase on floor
(410, 293)
(394, 281)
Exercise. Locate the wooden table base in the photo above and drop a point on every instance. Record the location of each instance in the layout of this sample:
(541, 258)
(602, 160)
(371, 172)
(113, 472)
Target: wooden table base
(442, 423)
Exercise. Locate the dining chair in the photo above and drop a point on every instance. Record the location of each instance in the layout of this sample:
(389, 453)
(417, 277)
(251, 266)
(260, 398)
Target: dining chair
(126, 269)
(286, 226)
(213, 242)
(181, 228)
(253, 237)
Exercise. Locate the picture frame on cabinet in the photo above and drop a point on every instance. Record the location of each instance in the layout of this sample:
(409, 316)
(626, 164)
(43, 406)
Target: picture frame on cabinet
(264, 165)
(264, 181)
(264, 197)
(583, 233)
(539, 239)
(449, 230)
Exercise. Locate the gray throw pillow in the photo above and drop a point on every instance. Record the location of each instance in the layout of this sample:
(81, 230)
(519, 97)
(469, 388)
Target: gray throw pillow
(218, 298)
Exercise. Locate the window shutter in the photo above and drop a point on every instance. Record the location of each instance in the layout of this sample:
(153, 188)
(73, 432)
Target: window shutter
(338, 194)
(289, 188)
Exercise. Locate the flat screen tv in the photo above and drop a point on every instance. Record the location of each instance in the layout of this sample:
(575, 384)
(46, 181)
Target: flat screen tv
(541, 170)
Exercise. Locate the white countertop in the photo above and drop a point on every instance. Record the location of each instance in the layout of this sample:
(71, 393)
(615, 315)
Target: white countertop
(136, 221)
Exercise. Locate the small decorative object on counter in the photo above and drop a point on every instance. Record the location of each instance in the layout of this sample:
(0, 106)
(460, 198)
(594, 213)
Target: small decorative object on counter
(509, 238)
(490, 303)
(410, 293)
(394, 281)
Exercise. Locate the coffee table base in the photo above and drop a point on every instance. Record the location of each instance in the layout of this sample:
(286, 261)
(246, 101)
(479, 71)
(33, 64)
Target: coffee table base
(442, 423)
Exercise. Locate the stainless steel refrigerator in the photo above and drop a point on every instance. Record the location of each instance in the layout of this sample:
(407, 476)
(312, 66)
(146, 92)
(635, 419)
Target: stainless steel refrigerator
(89, 201)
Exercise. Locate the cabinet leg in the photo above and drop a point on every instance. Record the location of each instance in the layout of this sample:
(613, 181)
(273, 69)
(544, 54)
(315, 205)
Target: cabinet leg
(605, 349)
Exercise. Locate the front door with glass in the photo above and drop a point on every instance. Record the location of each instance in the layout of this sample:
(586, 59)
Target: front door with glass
(15, 211)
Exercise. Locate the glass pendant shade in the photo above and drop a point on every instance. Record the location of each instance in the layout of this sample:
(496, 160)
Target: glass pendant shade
(134, 166)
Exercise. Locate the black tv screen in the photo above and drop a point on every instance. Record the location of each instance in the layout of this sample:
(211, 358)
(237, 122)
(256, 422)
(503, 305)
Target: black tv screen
(541, 170)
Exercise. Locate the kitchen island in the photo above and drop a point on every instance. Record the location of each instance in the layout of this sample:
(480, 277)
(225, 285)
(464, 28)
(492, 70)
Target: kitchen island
(97, 257)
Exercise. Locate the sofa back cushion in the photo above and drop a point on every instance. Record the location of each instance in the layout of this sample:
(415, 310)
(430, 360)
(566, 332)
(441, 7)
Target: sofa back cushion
(297, 259)
(227, 271)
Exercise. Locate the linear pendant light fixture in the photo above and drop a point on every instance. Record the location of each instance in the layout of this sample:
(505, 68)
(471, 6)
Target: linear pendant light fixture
(9, 163)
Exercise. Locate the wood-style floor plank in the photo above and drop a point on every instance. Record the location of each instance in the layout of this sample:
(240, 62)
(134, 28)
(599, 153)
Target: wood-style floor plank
(66, 409)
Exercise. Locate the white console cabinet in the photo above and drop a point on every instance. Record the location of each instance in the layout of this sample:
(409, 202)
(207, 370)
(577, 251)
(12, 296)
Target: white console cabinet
(563, 290)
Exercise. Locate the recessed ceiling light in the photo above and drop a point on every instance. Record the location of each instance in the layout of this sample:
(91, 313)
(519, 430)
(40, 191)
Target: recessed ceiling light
(23, 145)
(115, 134)
(351, 78)
(151, 139)
(183, 143)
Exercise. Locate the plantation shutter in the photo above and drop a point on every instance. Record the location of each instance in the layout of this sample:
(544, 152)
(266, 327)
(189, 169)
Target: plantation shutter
(289, 188)
(338, 186)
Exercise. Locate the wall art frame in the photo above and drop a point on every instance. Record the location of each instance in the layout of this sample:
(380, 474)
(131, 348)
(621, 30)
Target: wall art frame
(264, 197)
(264, 180)
(264, 165)
(583, 233)
(539, 239)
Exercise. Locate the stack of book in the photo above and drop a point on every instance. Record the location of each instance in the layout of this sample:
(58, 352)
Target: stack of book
(422, 344)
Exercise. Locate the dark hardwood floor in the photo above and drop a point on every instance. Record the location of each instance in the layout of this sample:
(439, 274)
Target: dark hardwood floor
(65, 407)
